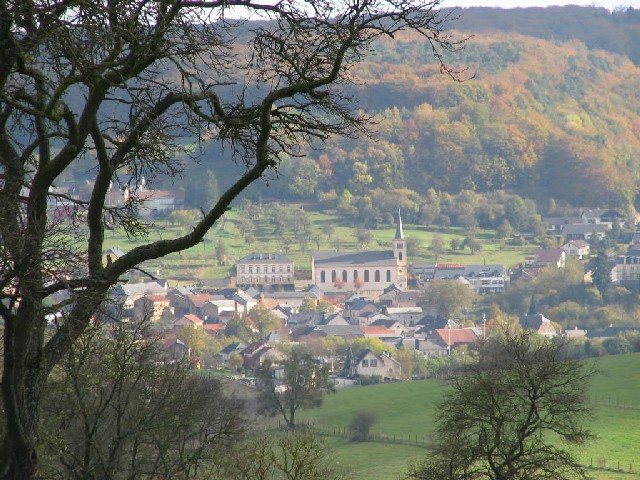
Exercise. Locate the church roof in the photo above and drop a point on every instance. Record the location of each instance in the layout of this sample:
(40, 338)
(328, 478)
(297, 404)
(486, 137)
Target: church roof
(379, 258)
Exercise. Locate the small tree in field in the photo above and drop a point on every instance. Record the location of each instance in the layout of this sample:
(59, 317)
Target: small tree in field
(361, 424)
(512, 415)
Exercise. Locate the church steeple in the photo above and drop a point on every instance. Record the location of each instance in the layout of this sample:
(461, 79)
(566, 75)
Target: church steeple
(400, 253)
(399, 232)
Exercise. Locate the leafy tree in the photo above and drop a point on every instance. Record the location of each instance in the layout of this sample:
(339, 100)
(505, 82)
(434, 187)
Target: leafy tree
(447, 296)
(263, 320)
(361, 424)
(221, 252)
(601, 274)
(301, 386)
(437, 246)
(512, 414)
(118, 87)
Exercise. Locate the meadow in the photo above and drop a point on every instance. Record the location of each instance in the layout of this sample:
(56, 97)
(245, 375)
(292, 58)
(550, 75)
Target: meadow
(330, 231)
(406, 413)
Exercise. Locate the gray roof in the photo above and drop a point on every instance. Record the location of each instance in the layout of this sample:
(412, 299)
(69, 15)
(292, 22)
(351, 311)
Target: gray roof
(129, 289)
(379, 258)
(586, 228)
(264, 257)
(471, 271)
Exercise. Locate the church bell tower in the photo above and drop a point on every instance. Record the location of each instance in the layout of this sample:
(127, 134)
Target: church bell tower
(400, 253)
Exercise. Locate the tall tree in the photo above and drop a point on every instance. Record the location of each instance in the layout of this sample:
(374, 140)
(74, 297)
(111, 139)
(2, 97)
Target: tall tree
(116, 85)
(301, 386)
(512, 415)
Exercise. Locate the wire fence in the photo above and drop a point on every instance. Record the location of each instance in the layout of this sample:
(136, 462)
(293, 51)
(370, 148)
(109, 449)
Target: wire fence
(597, 464)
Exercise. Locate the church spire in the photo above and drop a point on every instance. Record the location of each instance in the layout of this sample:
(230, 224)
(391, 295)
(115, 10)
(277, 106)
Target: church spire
(399, 232)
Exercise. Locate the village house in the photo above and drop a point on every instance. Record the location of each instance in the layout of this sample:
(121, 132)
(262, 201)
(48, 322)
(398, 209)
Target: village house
(579, 249)
(585, 231)
(152, 307)
(189, 320)
(367, 363)
(626, 271)
(482, 279)
(546, 257)
(539, 324)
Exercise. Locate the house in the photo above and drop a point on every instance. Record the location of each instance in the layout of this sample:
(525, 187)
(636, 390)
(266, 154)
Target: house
(603, 217)
(626, 271)
(152, 307)
(367, 363)
(584, 231)
(348, 332)
(244, 302)
(259, 352)
(126, 294)
(455, 337)
(538, 323)
(154, 201)
(408, 316)
(189, 320)
(577, 248)
(214, 329)
(357, 308)
(234, 347)
(395, 297)
(212, 309)
(557, 224)
(547, 257)
(482, 279)
(265, 269)
(365, 272)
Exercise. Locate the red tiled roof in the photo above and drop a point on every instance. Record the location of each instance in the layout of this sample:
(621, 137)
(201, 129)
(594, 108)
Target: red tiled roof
(214, 327)
(193, 318)
(375, 330)
(157, 298)
(440, 266)
(457, 335)
(199, 299)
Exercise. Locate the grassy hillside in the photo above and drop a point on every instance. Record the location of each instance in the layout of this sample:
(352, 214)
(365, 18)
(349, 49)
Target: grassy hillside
(407, 410)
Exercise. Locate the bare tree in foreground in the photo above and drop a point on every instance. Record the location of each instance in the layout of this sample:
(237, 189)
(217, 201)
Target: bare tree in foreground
(512, 415)
(113, 409)
(111, 87)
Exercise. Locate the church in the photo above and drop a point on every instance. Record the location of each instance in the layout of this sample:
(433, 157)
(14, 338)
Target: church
(366, 272)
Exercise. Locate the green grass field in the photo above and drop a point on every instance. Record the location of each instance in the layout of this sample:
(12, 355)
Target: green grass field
(407, 411)
(199, 262)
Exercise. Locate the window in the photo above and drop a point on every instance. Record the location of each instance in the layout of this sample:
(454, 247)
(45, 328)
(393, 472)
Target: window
(388, 275)
(288, 268)
(258, 269)
(333, 276)
(241, 268)
(366, 275)
(273, 269)
(250, 268)
(273, 279)
(355, 275)
(322, 277)
(280, 269)
(400, 256)
(344, 275)
(266, 279)
(373, 363)
(281, 279)
(241, 279)
(365, 363)
(288, 278)
(377, 276)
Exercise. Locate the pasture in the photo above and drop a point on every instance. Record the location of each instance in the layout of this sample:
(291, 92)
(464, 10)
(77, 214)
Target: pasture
(406, 413)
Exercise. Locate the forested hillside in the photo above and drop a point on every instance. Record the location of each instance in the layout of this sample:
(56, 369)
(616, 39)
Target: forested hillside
(553, 114)
(548, 119)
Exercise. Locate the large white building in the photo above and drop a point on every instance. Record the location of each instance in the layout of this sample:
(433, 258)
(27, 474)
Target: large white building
(264, 269)
(367, 272)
